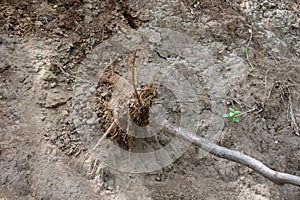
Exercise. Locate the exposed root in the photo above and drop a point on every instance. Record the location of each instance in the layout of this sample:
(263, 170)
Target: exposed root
(76, 155)
(96, 162)
(286, 98)
(291, 114)
(139, 109)
(112, 125)
(235, 156)
(247, 48)
(285, 93)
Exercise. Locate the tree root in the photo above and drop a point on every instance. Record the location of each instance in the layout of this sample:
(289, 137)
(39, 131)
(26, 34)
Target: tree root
(221, 152)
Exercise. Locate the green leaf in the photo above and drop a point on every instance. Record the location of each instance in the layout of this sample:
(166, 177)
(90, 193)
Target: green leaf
(231, 110)
(236, 120)
(245, 50)
(237, 112)
(226, 115)
(232, 114)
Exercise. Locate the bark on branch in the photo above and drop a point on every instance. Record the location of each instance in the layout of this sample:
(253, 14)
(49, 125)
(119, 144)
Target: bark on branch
(235, 156)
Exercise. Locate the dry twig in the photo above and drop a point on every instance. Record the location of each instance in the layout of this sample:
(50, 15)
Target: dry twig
(137, 96)
(247, 48)
(291, 114)
(112, 125)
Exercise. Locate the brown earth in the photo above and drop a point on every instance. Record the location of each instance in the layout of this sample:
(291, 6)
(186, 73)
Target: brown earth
(52, 50)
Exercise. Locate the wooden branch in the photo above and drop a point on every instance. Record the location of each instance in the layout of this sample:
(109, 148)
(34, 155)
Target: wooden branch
(235, 156)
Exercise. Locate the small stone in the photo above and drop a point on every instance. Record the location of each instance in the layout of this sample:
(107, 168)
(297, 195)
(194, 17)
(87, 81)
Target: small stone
(88, 5)
(53, 84)
(53, 137)
(38, 23)
(59, 144)
(90, 121)
(174, 109)
(158, 178)
(268, 14)
(65, 113)
(66, 140)
(58, 31)
(110, 188)
(272, 131)
(163, 140)
(76, 122)
(88, 19)
(3, 179)
(3, 66)
(155, 38)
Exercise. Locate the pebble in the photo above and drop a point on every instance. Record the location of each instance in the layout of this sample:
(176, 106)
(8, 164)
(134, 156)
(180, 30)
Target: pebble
(88, 19)
(175, 108)
(90, 121)
(38, 23)
(157, 178)
(3, 179)
(53, 84)
(88, 5)
(3, 65)
(53, 137)
(76, 122)
(65, 113)
(163, 140)
(59, 144)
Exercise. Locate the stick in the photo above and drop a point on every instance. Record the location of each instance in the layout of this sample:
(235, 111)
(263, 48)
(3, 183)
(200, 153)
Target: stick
(292, 115)
(247, 48)
(112, 125)
(133, 79)
(221, 152)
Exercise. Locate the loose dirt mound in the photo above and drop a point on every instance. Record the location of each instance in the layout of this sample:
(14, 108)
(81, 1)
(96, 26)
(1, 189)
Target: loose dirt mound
(66, 77)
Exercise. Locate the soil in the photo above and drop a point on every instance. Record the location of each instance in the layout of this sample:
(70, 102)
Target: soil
(67, 97)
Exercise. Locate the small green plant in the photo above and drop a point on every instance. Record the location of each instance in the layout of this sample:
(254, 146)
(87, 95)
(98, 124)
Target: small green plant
(232, 116)
(245, 51)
